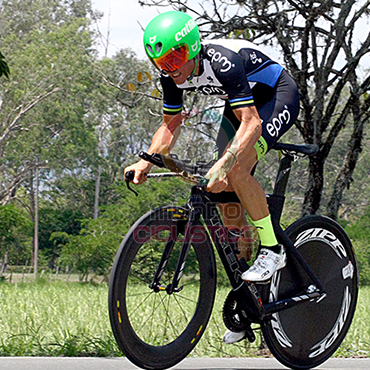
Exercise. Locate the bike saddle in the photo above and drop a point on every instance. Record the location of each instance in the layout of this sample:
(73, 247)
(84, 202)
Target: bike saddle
(307, 149)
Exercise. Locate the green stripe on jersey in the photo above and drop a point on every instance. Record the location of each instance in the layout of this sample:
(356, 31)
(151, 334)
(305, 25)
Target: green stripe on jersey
(244, 102)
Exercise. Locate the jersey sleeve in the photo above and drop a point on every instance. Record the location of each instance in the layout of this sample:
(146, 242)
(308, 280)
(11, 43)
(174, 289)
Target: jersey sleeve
(172, 96)
(236, 85)
(231, 70)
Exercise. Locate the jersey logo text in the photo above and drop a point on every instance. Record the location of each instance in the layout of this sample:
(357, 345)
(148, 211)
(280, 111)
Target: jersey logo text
(255, 59)
(275, 125)
(221, 59)
(211, 90)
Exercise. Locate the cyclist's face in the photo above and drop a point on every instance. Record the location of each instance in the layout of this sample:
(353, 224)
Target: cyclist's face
(181, 74)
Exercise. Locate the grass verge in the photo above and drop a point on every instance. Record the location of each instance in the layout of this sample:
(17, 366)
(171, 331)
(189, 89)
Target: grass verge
(71, 319)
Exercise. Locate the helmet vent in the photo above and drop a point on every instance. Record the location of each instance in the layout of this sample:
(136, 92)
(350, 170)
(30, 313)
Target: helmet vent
(158, 47)
(150, 49)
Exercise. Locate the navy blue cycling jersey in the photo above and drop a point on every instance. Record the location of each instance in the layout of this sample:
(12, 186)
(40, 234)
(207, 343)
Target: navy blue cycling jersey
(236, 70)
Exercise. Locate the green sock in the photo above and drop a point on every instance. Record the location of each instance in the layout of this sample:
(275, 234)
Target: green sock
(266, 231)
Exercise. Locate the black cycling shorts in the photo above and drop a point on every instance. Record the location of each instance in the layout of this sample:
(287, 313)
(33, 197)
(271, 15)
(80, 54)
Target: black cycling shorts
(278, 108)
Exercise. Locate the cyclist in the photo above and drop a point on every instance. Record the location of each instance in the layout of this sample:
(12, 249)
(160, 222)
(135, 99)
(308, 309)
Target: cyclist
(261, 104)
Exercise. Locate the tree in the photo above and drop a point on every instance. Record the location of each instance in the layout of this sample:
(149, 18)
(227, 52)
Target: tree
(15, 229)
(93, 250)
(49, 47)
(123, 122)
(44, 106)
(323, 51)
(56, 218)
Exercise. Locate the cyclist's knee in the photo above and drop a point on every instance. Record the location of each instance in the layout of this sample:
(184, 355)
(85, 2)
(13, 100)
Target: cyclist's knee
(240, 174)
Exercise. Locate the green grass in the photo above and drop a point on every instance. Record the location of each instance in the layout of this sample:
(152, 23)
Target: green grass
(71, 319)
(54, 319)
(357, 341)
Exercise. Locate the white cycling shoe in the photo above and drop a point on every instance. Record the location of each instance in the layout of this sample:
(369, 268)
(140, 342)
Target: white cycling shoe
(266, 264)
(231, 337)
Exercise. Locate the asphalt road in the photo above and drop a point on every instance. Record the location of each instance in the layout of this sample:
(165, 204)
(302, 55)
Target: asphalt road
(68, 363)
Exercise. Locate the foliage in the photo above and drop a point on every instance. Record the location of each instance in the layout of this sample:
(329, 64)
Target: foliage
(93, 250)
(42, 108)
(52, 220)
(15, 230)
(359, 233)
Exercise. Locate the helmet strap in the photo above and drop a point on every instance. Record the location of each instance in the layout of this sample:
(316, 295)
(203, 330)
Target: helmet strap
(192, 74)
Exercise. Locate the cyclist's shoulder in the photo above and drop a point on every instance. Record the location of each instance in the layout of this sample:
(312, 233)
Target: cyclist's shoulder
(223, 58)
(215, 50)
(229, 47)
(234, 56)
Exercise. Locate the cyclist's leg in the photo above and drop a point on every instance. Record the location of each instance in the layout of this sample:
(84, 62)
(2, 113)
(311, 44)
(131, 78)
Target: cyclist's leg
(233, 214)
(277, 116)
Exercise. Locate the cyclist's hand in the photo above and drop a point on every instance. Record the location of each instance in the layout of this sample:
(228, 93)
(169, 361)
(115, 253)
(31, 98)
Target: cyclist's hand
(217, 175)
(141, 169)
(217, 179)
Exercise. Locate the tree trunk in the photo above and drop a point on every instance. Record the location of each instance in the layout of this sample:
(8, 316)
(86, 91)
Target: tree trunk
(98, 175)
(97, 193)
(32, 216)
(313, 194)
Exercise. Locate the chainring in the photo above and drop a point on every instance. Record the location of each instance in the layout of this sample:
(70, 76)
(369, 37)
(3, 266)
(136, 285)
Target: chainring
(234, 316)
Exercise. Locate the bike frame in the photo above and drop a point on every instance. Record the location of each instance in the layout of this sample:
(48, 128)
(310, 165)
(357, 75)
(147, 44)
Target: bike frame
(202, 204)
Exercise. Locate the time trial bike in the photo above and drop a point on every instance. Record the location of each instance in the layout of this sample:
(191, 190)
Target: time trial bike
(163, 281)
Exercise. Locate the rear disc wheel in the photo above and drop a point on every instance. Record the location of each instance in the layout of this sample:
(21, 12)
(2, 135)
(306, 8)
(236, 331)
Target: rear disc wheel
(308, 334)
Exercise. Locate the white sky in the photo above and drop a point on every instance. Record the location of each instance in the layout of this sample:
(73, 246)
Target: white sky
(125, 30)
(124, 17)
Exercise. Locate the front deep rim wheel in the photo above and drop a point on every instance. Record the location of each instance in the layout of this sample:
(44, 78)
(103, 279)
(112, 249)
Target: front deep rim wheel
(155, 329)
(308, 334)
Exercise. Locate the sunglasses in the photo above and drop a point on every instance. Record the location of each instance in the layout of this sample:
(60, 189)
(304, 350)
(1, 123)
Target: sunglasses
(173, 59)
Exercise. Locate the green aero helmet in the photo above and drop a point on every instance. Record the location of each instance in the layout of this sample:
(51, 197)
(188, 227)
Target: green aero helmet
(171, 39)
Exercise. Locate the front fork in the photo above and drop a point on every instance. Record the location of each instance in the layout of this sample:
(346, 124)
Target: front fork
(173, 287)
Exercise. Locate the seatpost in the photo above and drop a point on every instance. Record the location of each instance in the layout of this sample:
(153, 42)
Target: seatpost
(282, 176)
(276, 200)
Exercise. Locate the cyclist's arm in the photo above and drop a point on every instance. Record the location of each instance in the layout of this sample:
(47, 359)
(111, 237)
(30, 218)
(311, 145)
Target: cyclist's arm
(163, 141)
(166, 136)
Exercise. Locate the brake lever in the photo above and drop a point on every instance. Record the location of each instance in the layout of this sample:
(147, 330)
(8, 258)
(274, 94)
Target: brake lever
(129, 176)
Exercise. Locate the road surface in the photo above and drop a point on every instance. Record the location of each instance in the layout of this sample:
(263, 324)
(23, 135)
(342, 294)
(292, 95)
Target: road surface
(73, 363)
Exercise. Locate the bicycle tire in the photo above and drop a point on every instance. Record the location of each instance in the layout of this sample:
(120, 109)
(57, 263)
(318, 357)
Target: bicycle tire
(156, 330)
(308, 334)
